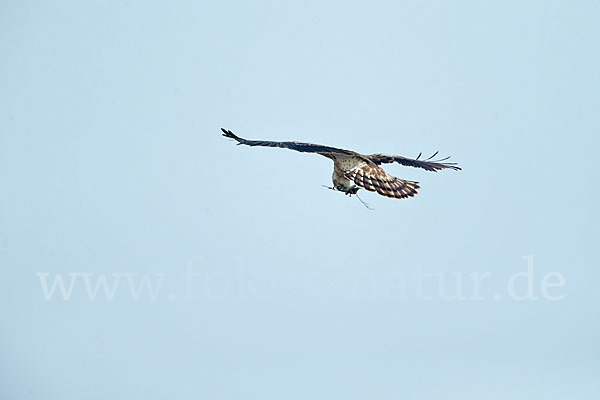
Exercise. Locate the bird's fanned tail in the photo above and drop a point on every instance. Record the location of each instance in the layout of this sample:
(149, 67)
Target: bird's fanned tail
(375, 179)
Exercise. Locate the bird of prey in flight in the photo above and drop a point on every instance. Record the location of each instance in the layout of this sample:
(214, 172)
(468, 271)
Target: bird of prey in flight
(352, 171)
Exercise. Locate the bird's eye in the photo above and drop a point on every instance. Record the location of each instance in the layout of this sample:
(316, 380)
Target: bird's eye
(340, 187)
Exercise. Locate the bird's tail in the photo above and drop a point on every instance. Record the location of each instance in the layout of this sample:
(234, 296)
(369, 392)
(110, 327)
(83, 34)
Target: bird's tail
(401, 189)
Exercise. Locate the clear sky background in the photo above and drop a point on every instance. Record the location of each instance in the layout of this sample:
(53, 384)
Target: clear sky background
(111, 162)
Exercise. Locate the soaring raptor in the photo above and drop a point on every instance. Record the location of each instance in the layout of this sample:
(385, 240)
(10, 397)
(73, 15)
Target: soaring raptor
(352, 171)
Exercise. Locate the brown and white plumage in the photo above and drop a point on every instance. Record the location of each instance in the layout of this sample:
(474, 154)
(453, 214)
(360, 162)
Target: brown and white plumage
(362, 170)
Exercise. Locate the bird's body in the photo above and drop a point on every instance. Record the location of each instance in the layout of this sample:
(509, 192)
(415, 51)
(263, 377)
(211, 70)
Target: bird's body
(342, 164)
(352, 171)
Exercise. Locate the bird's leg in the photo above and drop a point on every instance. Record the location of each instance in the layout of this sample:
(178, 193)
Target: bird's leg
(354, 190)
(351, 190)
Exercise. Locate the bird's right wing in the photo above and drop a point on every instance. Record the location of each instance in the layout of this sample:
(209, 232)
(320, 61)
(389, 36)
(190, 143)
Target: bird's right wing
(297, 146)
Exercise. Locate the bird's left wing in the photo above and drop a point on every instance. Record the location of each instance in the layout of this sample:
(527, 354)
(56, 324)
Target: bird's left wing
(428, 164)
(297, 146)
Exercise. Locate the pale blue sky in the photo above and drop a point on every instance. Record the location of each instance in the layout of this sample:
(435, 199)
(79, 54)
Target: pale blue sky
(111, 162)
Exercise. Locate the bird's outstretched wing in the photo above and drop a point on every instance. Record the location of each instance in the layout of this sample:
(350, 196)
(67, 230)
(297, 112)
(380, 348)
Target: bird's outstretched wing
(375, 179)
(298, 146)
(428, 164)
